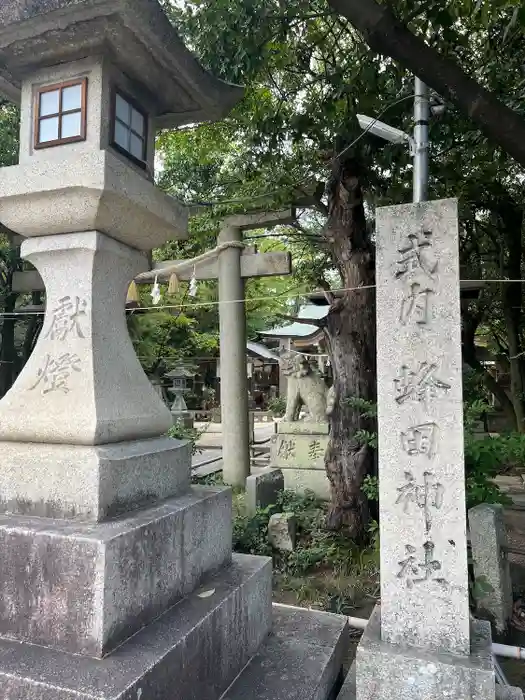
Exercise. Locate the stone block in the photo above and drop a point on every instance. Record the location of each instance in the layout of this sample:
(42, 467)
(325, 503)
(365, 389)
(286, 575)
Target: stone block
(298, 451)
(192, 652)
(493, 594)
(303, 480)
(91, 483)
(262, 416)
(349, 690)
(263, 487)
(282, 531)
(302, 428)
(84, 588)
(507, 692)
(301, 660)
(91, 191)
(399, 672)
(183, 419)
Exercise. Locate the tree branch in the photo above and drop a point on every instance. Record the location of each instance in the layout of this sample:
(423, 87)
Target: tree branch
(387, 36)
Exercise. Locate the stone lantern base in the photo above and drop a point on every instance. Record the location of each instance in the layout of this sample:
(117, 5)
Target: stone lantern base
(96, 612)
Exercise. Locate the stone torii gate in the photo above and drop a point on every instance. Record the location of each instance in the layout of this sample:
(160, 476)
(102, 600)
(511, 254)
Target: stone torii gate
(231, 266)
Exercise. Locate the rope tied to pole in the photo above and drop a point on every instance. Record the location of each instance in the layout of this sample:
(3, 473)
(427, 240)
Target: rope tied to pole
(175, 270)
(192, 262)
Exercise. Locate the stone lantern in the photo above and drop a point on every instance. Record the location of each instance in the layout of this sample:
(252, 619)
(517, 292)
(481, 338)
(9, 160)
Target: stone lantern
(117, 579)
(179, 411)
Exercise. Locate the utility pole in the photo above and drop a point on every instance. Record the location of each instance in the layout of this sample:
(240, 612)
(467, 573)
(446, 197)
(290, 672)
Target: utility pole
(421, 119)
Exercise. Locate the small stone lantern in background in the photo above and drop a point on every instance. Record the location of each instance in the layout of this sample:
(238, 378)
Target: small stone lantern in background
(179, 411)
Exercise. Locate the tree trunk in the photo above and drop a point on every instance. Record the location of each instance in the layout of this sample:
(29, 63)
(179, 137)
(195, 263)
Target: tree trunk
(350, 332)
(386, 35)
(511, 292)
(512, 219)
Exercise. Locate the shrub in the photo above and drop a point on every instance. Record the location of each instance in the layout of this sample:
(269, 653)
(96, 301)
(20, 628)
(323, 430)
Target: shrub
(277, 406)
(180, 432)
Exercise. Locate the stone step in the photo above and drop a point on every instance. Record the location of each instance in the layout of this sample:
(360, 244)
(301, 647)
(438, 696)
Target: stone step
(302, 659)
(192, 652)
(86, 587)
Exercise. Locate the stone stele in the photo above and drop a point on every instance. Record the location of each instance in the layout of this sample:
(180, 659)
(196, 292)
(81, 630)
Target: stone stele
(488, 538)
(421, 644)
(263, 487)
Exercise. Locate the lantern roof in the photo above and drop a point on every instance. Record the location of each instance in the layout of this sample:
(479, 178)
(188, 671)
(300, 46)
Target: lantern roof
(135, 34)
(179, 371)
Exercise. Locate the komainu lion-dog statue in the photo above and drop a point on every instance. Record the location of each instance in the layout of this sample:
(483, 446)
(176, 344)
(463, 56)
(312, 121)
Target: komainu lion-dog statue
(307, 388)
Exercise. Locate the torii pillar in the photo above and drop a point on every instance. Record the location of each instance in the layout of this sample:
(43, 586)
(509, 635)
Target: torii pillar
(232, 322)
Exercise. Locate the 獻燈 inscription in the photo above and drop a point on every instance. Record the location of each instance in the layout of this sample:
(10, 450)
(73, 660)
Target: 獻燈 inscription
(66, 318)
(55, 373)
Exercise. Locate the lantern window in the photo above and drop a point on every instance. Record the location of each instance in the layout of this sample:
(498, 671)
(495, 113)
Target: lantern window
(129, 129)
(60, 114)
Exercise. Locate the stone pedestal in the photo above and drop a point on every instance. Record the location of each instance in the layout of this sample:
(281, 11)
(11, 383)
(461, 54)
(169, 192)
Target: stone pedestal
(298, 450)
(422, 644)
(403, 672)
(90, 482)
(84, 588)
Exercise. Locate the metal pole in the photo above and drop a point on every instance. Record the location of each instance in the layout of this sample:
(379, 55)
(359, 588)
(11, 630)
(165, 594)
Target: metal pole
(421, 118)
